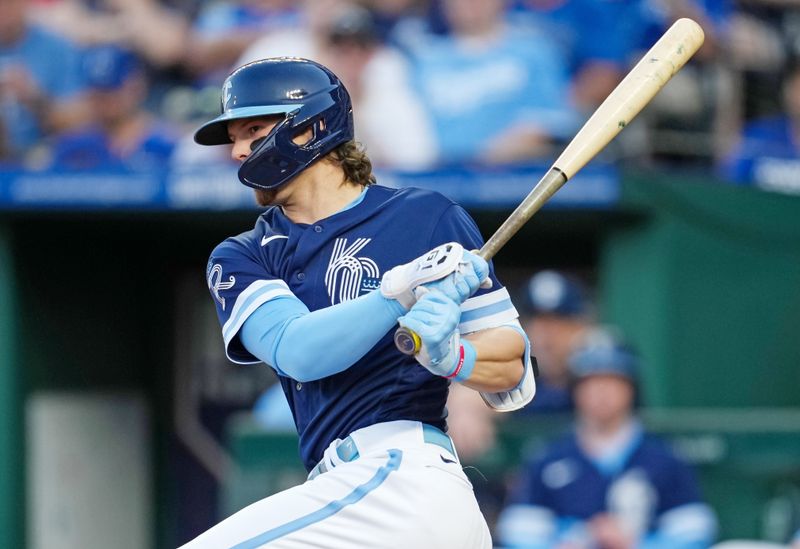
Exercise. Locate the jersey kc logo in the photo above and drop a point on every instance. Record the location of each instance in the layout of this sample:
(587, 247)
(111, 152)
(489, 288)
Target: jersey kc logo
(349, 276)
(215, 283)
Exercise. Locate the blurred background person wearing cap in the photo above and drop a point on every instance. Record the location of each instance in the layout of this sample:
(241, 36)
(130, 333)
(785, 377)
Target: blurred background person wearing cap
(121, 134)
(555, 310)
(607, 484)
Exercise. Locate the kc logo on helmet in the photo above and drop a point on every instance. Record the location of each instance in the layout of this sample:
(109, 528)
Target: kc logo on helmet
(226, 94)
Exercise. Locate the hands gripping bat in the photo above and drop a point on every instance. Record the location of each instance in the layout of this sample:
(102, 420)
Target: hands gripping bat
(639, 86)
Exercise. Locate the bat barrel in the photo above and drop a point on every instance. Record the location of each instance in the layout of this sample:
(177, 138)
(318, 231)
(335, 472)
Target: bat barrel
(675, 47)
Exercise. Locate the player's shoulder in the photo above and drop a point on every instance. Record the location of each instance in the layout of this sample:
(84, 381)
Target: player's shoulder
(412, 198)
(249, 242)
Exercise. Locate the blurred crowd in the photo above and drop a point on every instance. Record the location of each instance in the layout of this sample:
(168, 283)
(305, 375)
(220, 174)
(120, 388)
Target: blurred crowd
(120, 84)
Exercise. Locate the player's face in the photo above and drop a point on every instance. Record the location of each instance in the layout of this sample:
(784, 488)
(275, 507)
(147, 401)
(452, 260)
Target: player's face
(604, 399)
(244, 132)
(552, 337)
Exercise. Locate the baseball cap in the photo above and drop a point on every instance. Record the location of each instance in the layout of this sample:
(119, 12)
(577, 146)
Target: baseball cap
(601, 350)
(552, 292)
(108, 67)
(353, 24)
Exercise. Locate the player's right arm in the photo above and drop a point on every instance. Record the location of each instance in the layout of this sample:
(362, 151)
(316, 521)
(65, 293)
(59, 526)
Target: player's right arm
(263, 321)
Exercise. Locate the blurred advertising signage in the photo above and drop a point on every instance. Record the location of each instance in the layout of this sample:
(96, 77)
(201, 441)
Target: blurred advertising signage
(218, 188)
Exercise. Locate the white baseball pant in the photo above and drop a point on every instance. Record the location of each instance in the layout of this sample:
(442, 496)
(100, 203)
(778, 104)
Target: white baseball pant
(391, 485)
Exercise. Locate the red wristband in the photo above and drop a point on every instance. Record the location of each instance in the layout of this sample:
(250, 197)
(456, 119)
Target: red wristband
(460, 362)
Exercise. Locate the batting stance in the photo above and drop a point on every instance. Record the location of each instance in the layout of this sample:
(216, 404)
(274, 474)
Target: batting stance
(316, 290)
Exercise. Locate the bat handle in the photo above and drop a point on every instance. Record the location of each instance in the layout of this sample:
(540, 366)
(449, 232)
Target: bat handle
(408, 341)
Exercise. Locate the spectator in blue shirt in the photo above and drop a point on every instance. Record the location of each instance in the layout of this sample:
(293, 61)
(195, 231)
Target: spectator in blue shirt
(39, 80)
(607, 484)
(598, 37)
(122, 135)
(767, 152)
(496, 93)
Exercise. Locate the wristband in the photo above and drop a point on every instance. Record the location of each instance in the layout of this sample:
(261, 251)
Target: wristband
(466, 362)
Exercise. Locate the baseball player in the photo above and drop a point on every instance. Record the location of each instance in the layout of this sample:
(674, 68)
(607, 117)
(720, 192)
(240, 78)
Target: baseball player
(316, 290)
(608, 484)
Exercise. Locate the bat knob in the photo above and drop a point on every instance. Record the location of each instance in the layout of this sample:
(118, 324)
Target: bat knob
(407, 342)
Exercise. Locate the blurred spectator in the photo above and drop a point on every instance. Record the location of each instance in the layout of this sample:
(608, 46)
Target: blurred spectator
(302, 40)
(497, 93)
(597, 58)
(121, 133)
(796, 540)
(224, 29)
(555, 311)
(39, 81)
(156, 33)
(403, 22)
(607, 484)
(390, 120)
(768, 149)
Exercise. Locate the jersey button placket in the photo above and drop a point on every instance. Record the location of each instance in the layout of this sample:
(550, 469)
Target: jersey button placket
(298, 386)
(317, 228)
(301, 276)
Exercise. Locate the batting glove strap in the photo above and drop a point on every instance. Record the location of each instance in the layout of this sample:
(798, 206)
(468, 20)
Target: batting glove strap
(399, 283)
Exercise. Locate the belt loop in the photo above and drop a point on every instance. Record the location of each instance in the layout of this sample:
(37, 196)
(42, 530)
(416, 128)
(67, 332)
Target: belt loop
(432, 435)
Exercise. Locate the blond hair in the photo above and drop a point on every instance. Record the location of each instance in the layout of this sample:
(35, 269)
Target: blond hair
(356, 165)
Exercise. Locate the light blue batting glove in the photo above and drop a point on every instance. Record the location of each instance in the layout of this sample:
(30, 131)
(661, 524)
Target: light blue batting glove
(472, 273)
(435, 317)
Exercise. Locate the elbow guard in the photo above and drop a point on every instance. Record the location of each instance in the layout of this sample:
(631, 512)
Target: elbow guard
(523, 393)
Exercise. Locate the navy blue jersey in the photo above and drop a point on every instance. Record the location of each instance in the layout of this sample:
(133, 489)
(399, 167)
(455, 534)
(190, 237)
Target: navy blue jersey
(567, 482)
(649, 492)
(336, 259)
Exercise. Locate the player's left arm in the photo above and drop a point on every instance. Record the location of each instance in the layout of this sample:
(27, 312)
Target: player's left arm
(488, 326)
(498, 364)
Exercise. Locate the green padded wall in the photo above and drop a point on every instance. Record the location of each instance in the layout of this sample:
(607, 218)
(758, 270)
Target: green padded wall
(706, 285)
(11, 440)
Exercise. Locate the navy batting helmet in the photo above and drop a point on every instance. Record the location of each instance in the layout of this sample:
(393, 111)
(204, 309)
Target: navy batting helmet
(307, 94)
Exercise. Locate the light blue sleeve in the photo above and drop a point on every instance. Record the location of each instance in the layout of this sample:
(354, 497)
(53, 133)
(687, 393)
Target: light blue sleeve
(523, 526)
(307, 345)
(688, 526)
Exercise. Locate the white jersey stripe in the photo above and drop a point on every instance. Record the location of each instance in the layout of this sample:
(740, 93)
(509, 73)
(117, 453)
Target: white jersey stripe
(263, 290)
(485, 299)
(489, 321)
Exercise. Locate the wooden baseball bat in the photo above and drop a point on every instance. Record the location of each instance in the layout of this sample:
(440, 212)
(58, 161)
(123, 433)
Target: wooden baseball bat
(640, 85)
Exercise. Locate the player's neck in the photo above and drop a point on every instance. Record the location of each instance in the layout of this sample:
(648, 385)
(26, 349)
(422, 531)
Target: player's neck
(319, 192)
